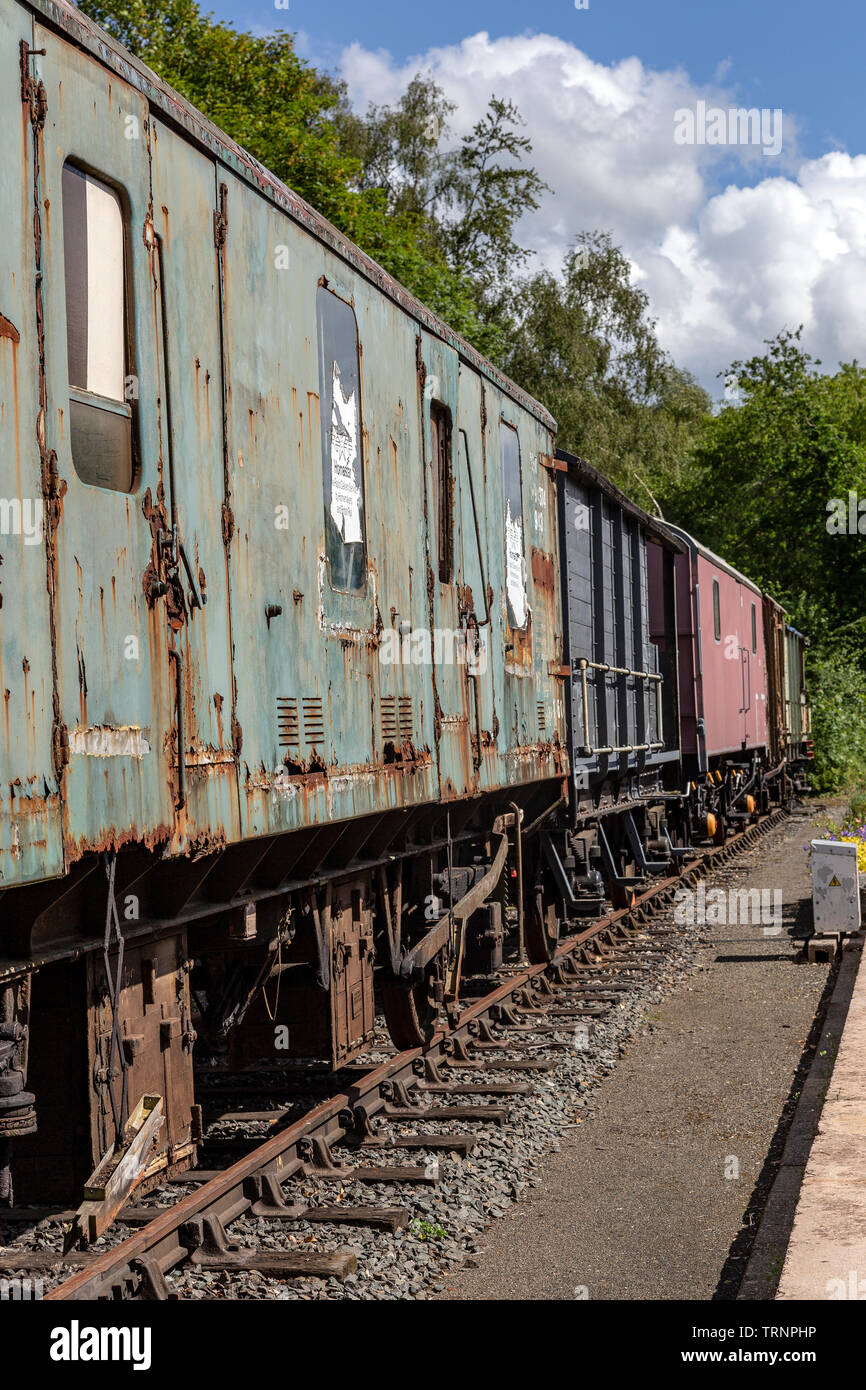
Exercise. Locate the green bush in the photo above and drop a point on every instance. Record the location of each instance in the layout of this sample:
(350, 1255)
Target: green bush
(837, 691)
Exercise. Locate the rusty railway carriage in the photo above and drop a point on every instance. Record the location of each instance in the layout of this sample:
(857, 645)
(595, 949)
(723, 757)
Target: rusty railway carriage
(280, 678)
(324, 678)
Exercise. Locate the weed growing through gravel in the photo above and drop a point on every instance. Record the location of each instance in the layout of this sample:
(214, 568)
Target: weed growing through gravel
(427, 1230)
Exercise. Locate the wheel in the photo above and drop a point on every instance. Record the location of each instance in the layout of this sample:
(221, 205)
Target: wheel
(541, 922)
(411, 1011)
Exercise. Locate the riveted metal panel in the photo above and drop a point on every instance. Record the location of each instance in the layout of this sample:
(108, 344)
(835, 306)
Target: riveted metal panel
(774, 640)
(577, 580)
(154, 1003)
(185, 197)
(396, 541)
(797, 717)
(115, 692)
(30, 839)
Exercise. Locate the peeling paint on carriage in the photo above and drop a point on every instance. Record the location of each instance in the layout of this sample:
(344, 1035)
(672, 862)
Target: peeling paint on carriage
(105, 742)
(27, 813)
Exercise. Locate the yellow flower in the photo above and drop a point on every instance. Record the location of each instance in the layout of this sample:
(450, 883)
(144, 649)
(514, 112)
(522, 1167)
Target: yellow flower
(861, 849)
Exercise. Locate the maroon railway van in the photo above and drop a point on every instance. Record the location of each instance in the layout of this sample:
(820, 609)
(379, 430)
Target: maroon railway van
(722, 661)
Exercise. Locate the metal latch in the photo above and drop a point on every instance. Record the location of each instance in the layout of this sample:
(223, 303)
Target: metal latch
(33, 93)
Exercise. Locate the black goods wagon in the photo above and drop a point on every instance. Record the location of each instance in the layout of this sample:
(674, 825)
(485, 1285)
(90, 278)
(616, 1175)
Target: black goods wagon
(624, 820)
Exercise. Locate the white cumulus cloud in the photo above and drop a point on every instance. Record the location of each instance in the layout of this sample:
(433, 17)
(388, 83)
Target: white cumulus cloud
(731, 244)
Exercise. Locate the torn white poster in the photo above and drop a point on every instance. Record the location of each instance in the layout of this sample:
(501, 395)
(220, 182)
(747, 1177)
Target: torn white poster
(515, 568)
(345, 491)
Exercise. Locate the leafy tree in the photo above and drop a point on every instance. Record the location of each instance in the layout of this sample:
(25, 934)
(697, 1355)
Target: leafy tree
(397, 148)
(256, 89)
(463, 204)
(796, 440)
(584, 343)
(837, 692)
(486, 189)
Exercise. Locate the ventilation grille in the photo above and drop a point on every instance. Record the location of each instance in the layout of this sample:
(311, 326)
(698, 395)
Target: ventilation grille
(289, 721)
(542, 718)
(314, 722)
(404, 713)
(397, 718)
(389, 719)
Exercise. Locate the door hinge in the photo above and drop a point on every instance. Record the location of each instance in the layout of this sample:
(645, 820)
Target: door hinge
(33, 93)
(221, 219)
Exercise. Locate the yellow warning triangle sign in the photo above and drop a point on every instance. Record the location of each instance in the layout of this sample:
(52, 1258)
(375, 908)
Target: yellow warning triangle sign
(834, 882)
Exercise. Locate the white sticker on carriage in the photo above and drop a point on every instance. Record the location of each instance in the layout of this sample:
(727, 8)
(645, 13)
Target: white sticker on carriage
(515, 568)
(345, 490)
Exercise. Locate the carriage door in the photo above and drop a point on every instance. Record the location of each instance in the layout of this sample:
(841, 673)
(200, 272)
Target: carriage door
(749, 648)
(450, 605)
(473, 573)
(189, 242)
(101, 458)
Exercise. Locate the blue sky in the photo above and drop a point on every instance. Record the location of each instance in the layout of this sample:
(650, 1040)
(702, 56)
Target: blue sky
(732, 243)
(801, 55)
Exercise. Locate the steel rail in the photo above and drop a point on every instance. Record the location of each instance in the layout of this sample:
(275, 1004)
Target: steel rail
(129, 1268)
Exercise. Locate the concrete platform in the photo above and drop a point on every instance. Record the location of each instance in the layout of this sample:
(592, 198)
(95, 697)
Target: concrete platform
(826, 1257)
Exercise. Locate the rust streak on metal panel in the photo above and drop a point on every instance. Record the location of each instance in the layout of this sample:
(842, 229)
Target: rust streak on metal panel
(53, 488)
(543, 572)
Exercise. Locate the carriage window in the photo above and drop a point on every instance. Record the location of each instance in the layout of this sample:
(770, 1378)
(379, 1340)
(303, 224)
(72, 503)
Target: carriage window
(754, 629)
(443, 487)
(342, 464)
(515, 563)
(717, 618)
(100, 417)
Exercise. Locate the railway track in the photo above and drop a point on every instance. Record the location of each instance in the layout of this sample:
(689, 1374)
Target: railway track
(465, 1076)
